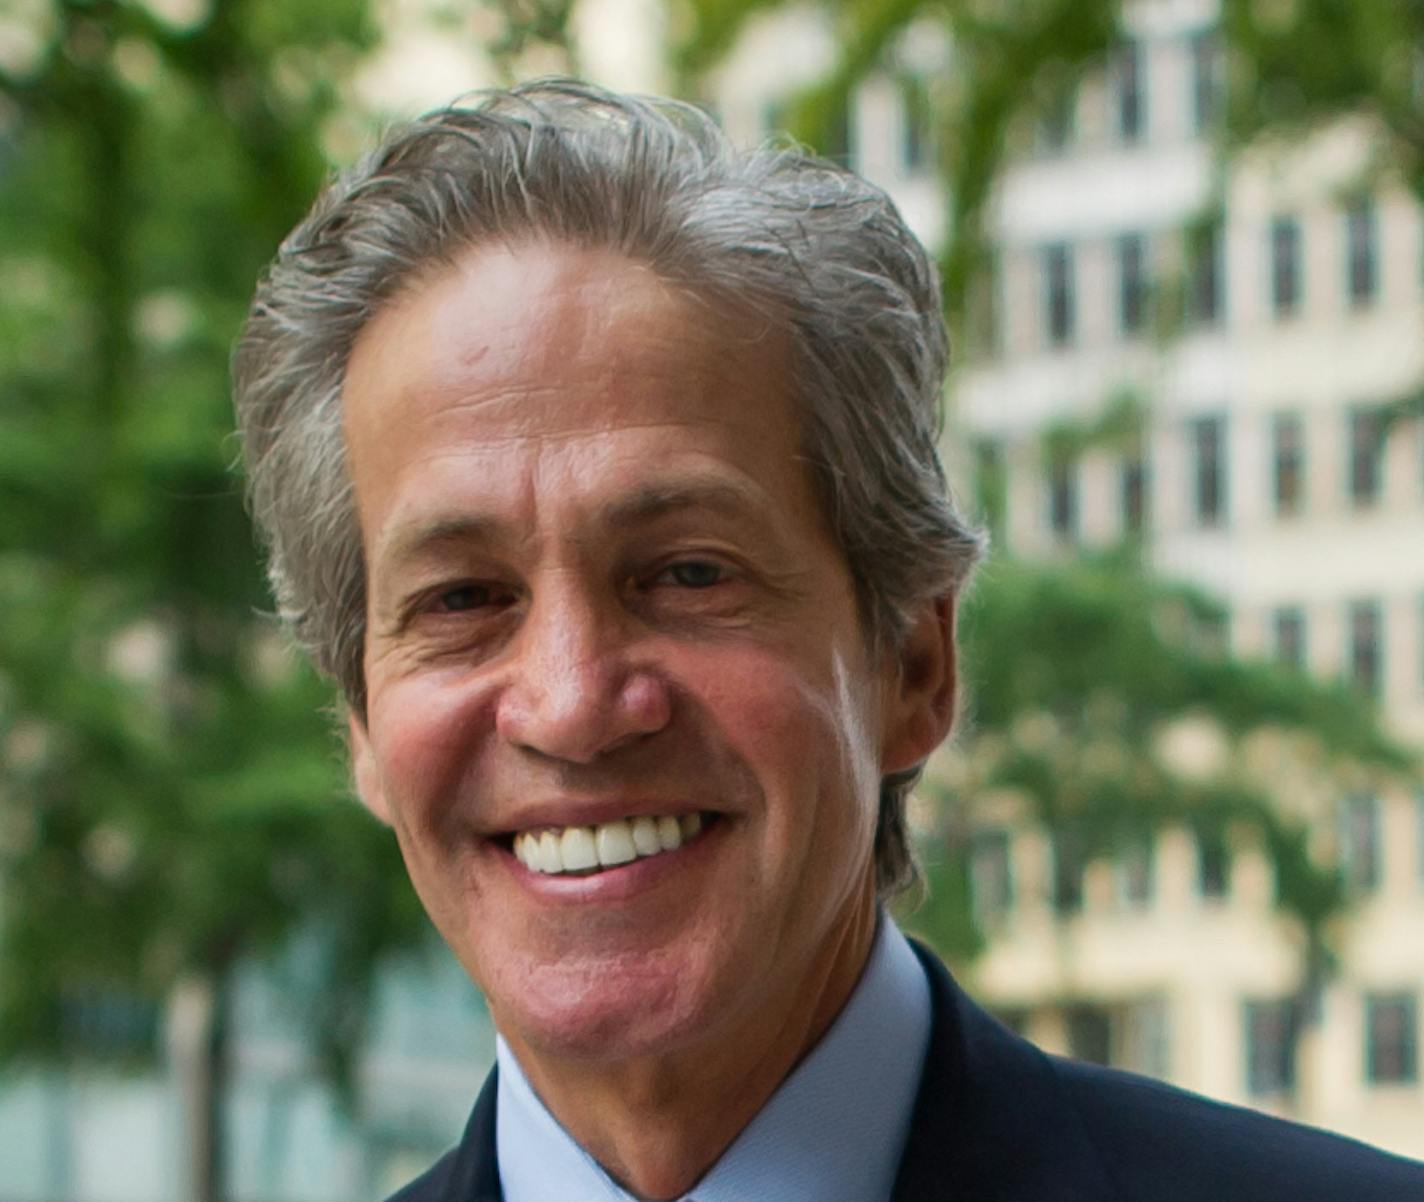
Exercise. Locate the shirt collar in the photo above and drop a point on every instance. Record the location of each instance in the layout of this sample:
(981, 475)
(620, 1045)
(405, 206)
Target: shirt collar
(832, 1132)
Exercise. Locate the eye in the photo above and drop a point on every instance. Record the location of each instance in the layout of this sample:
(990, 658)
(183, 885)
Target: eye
(695, 573)
(464, 597)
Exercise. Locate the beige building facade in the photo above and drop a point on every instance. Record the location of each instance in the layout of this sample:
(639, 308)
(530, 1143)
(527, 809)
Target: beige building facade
(1264, 325)
(1268, 323)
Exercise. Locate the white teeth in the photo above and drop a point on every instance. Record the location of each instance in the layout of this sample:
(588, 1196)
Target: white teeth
(615, 843)
(645, 836)
(582, 848)
(577, 849)
(669, 833)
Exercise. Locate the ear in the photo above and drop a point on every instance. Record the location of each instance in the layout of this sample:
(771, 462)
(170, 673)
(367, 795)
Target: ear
(365, 773)
(919, 709)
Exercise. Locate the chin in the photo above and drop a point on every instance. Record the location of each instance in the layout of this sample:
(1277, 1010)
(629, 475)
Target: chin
(611, 1011)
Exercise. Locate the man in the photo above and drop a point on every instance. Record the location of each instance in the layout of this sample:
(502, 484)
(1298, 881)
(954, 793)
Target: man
(597, 464)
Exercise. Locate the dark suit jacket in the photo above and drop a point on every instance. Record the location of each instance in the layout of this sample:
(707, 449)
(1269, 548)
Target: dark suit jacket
(995, 1118)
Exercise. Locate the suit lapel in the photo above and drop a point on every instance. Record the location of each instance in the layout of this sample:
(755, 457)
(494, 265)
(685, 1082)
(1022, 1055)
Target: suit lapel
(474, 1169)
(991, 1120)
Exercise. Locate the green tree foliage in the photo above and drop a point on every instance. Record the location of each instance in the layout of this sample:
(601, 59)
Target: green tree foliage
(1298, 64)
(1009, 64)
(1078, 678)
(171, 794)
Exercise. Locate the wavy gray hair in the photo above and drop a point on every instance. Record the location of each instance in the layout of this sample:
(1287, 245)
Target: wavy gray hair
(813, 248)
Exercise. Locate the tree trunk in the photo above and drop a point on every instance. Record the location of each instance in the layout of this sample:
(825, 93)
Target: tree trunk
(198, 1054)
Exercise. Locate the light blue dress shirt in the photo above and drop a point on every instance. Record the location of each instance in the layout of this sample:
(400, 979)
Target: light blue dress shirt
(833, 1131)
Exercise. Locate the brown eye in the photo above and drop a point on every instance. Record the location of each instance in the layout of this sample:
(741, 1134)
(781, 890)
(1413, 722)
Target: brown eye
(694, 573)
(464, 597)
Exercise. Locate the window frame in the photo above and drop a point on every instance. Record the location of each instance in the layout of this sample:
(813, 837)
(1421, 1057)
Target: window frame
(1210, 473)
(1133, 287)
(1361, 860)
(1290, 652)
(1059, 300)
(1288, 464)
(1270, 1068)
(1129, 73)
(1402, 1068)
(1287, 275)
(1362, 257)
(1063, 498)
(1365, 439)
(1365, 661)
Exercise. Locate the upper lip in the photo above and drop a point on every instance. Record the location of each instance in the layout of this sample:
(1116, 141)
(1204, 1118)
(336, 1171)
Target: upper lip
(560, 812)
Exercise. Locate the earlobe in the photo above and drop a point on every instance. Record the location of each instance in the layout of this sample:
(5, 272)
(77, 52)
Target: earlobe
(920, 711)
(365, 774)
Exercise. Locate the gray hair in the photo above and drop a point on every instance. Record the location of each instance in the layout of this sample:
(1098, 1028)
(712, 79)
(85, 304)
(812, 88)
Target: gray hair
(812, 247)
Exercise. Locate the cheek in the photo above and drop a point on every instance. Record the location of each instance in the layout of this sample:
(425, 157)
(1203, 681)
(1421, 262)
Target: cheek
(806, 738)
(426, 735)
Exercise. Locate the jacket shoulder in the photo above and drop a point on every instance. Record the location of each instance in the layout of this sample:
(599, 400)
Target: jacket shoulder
(1157, 1141)
(433, 1185)
(469, 1171)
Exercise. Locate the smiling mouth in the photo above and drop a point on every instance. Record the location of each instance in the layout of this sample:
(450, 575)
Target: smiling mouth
(584, 850)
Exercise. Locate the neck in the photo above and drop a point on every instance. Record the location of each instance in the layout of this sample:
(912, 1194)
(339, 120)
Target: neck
(659, 1123)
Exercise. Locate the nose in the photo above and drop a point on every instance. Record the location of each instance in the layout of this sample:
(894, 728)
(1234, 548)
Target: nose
(575, 693)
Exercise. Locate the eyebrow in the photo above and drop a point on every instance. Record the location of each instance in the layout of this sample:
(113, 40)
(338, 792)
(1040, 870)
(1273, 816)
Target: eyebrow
(412, 542)
(657, 500)
(645, 504)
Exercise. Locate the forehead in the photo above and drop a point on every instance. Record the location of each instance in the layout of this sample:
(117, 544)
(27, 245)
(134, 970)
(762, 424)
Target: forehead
(502, 323)
(586, 356)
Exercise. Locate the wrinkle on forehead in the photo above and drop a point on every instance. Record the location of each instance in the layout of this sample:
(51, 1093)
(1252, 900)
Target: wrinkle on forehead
(573, 363)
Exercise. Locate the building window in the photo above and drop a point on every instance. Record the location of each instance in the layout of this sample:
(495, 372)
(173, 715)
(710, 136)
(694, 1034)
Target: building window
(1067, 871)
(1055, 127)
(1130, 98)
(1136, 873)
(1213, 864)
(1131, 284)
(1288, 456)
(1134, 493)
(1270, 1047)
(1206, 80)
(109, 1024)
(1203, 301)
(982, 318)
(1143, 1044)
(1367, 429)
(1210, 632)
(993, 485)
(1366, 660)
(916, 125)
(1361, 253)
(1391, 1039)
(1360, 843)
(838, 144)
(1209, 452)
(1090, 1034)
(991, 876)
(1063, 497)
(773, 117)
(1419, 831)
(1058, 315)
(1289, 630)
(1285, 266)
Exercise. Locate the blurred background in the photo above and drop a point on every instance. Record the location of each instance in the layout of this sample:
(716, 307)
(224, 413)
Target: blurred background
(1181, 829)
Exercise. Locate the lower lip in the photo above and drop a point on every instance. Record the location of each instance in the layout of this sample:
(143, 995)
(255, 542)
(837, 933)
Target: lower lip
(622, 881)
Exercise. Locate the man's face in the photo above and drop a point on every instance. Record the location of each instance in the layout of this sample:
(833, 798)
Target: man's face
(600, 589)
